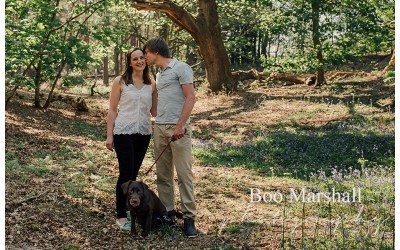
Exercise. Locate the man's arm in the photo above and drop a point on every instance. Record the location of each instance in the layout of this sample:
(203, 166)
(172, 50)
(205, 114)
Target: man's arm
(188, 92)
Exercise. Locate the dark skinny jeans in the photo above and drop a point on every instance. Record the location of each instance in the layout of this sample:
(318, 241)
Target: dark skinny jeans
(130, 150)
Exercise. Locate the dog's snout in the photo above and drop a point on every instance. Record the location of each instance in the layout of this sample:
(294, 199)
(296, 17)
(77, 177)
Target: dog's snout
(134, 201)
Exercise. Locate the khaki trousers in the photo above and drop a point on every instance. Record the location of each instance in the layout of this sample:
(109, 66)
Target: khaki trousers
(178, 154)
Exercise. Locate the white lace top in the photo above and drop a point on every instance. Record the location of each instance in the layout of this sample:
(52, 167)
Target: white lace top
(134, 110)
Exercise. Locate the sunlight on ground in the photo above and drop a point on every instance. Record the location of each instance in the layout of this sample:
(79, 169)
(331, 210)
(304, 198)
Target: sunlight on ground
(272, 138)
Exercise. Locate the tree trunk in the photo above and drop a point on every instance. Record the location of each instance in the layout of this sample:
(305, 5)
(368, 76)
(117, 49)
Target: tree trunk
(47, 103)
(37, 81)
(191, 57)
(254, 49)
(216, 60)
(259, 40)
(39, 56)
(316, 6)
(105, 71)
(206, 31)
(121, 62)
(277, 47)
(390, 65)
(164, 32)
(116, 61)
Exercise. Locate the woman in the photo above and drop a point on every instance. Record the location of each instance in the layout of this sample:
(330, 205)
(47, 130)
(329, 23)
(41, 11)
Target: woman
(129, 128)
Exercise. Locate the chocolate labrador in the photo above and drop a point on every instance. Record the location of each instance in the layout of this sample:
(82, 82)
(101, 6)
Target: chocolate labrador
(144, 206)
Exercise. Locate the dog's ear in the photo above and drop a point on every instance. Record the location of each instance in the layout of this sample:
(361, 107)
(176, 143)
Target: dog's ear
(145, 187)
(125, 187)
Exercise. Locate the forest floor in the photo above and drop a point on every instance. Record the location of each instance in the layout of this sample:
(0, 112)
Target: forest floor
(60, 178)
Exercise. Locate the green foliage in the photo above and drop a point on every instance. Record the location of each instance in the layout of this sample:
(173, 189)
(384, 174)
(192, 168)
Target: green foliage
(281, 32)
(20, 80)
(73, 80)
(241, 24)
(390, 73)
(275, 35)
(44, 36)
(77, 53)
(75, 185)
(242, 228)
(71, 246)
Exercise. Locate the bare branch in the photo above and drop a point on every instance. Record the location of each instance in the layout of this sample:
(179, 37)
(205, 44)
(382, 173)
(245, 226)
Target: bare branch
(76, 16)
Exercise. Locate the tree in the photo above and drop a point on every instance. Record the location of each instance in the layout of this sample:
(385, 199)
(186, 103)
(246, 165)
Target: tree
(316, 35)
(246, 29)
(205, 29)
(47, 40)
(316, 8)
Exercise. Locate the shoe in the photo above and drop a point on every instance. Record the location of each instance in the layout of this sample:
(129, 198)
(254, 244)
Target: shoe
(128, 216)
(123, 226)
(188, 228)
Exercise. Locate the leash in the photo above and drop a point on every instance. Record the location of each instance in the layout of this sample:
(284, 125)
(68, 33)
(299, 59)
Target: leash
(171, 140)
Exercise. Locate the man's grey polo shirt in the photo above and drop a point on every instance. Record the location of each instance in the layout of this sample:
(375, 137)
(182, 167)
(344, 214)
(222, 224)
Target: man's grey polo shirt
(170, 94)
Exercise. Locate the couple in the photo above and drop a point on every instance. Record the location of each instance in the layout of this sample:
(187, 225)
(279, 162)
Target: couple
(171, 99)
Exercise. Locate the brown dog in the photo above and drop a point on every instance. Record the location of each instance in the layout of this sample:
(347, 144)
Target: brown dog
(144, 206)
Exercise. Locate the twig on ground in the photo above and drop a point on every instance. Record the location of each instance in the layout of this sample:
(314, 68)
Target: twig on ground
(14, 204)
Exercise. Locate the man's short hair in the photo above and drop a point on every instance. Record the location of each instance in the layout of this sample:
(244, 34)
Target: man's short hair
(157, 45)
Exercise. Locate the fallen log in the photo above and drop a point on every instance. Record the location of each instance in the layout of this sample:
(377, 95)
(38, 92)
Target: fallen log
(97, 76)
(77, 103)
(241, 75)
(298, 79)
(308, 79)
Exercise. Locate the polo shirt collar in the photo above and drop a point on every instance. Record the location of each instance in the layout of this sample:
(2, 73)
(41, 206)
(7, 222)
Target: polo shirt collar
(171, 64)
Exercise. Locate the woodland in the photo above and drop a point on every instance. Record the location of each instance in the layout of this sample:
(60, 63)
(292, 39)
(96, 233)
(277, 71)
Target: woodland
(290, 95)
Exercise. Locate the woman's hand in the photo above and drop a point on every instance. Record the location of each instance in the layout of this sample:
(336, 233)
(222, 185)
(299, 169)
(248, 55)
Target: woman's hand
(110, 143)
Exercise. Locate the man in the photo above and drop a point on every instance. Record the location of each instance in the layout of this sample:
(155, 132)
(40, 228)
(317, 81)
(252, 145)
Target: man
(176, 99)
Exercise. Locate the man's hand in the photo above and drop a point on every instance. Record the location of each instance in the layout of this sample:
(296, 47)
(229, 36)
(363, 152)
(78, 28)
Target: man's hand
(179, 132)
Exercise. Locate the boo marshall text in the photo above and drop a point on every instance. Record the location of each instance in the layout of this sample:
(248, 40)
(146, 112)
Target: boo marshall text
(304, 195)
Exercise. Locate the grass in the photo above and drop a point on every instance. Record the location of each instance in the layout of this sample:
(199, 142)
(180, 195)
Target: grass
(76, 184)
(39, 168)
(356, 136)
(273, 138)
(301, 152)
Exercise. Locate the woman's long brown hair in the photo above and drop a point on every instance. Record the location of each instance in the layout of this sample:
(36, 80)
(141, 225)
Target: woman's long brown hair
(127, 75)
